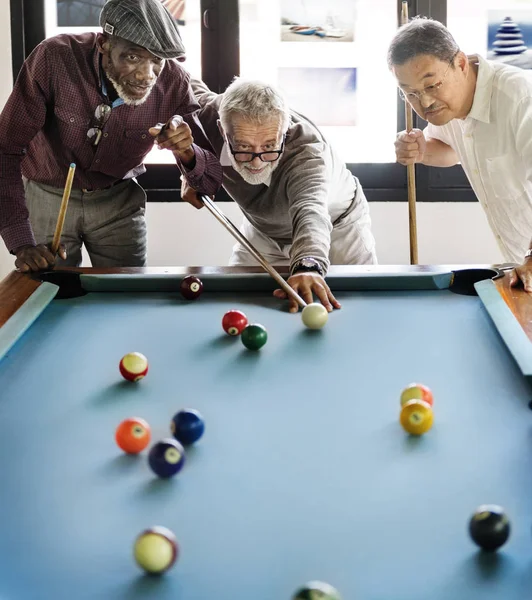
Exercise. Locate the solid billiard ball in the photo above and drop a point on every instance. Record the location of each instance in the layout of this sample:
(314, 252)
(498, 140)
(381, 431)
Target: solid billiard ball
(187, 426)
(254, 336)
(191, 287)
(317, 590)
(156, 550)
(314, 315)
(166, 458)
(134, 366)
(489, 527)
(416, 391)
(133, 435)
(234, 321)
(416, 417)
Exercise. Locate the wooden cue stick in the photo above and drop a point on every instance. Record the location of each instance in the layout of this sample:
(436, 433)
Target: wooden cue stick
(233, 230)
(410, 169)
(62, 211)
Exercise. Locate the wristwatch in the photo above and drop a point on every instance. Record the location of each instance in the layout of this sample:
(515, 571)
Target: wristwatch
(528, 253)
(307, 265)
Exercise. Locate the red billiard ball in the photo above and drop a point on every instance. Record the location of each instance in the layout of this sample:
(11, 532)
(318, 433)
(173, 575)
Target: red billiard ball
(191, 287)
(133, 435)
(133, 366)
(234, 322)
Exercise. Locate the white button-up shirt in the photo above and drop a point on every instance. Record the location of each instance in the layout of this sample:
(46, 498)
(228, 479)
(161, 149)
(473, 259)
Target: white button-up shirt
(494, 144)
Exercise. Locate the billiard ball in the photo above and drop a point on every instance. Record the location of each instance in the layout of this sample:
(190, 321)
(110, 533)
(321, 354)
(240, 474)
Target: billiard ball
(133, 435)
(489, 527)
(156, 550)
(417, 391)
(317, 590)
(187, 426)
(166, 458)
(254, 336)
(416, 417)
(314, 315)
(191, 287)
(234, 321)
(134, 366)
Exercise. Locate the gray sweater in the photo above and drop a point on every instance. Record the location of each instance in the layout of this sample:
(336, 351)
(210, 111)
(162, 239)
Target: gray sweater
(310, 190)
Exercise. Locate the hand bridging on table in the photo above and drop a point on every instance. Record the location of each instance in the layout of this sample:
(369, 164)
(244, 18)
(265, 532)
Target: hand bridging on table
(36, 258)
(410, 147)
(522, 274)
(307, 284)
(176, 136)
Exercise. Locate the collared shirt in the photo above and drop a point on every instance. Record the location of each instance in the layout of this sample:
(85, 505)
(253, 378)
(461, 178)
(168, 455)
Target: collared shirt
(43, 128)
(494, 144)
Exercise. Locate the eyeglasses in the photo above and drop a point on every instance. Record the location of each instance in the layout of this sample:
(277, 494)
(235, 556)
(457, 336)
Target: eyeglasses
(430, 90)
(101, 116)
(268, 156)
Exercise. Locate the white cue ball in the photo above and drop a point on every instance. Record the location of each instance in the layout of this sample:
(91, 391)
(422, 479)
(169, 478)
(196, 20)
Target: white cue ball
(314, 315)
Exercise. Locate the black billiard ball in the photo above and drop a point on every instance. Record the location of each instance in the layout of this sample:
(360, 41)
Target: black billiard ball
(489, 527)
(191, 287)
(187, 426)
(166, 458)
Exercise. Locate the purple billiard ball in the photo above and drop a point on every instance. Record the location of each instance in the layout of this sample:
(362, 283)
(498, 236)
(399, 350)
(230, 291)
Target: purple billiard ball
(187, 426)
(191, 287)
(166, 457)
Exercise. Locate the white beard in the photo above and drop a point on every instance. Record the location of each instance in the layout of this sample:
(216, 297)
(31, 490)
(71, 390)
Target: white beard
(123, 94)
(253, 178)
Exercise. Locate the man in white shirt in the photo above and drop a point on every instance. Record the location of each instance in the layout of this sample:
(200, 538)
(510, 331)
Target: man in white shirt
(480, 115)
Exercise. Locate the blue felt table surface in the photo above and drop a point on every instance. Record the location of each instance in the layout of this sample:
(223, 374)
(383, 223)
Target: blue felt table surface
(303, 472)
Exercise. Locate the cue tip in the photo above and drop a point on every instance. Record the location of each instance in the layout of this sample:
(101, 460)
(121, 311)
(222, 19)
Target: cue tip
(72, 165)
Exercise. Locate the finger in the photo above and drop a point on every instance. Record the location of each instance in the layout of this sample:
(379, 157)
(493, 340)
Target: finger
(527, 282)
(42, 262)
(22, 266)
(175, 122)
(514, 279)
(62, 251)
(47, 255)
(332, 299)
(281, 294)
(156, 129)
(323, 297)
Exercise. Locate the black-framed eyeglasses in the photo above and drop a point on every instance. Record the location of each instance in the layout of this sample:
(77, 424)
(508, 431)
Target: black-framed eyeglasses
(101, 116)
(430, 90)
(268, 156)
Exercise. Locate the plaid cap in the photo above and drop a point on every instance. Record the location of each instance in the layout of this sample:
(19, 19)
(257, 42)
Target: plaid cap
(146, 23)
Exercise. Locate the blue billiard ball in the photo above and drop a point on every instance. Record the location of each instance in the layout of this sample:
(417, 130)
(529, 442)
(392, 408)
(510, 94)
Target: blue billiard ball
(167, 457)
(187, 426)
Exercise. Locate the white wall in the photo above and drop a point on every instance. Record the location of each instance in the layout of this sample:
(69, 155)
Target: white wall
(182, 235)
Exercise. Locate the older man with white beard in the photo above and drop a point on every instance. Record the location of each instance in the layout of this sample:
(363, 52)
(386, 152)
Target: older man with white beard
(302, 207)
(98, 100)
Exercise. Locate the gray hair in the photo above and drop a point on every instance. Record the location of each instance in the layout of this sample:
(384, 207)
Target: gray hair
(422, 36)
(254, 101)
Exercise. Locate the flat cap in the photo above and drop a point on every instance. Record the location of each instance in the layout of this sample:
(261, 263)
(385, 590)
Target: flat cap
(146, 23)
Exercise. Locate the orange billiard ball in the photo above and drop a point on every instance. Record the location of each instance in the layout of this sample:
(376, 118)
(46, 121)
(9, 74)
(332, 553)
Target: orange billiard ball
(416, 417)
(133, 435)
(416, 391)
(134, 366)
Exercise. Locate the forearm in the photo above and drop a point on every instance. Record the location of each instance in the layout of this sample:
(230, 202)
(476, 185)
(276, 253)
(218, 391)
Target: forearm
(206, 175)
(312, 238)
(439, 154)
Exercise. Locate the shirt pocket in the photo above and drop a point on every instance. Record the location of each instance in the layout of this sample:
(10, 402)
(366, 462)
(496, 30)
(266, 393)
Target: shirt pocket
(505, 180)
(136, 144)
(71, 127)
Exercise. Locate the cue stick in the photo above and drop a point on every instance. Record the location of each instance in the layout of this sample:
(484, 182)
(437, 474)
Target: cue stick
(63, 209)
(410, 169)
(233, 230)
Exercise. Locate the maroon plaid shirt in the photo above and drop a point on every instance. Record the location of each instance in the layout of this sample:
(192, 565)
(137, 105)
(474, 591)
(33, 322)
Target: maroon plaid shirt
(43, 128)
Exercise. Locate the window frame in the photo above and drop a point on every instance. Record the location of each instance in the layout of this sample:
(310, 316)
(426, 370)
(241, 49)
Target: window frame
(382, 182)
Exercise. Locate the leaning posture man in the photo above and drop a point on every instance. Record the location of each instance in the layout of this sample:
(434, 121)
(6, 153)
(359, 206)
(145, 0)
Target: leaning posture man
(479, 114)
(301, 205)
(99, 101)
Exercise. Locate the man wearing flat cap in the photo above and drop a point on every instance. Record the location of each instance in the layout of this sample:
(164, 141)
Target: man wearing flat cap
(101, 101)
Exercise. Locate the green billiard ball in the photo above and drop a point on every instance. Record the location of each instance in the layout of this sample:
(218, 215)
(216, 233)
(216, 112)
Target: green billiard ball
(317, 590)
(254, 336)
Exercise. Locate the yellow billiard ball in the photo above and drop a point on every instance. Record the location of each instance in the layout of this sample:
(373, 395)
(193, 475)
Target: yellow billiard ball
(416, 391)
(156, 550)
(416, 417)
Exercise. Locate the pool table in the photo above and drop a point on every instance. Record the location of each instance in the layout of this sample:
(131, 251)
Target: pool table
(303, 473)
